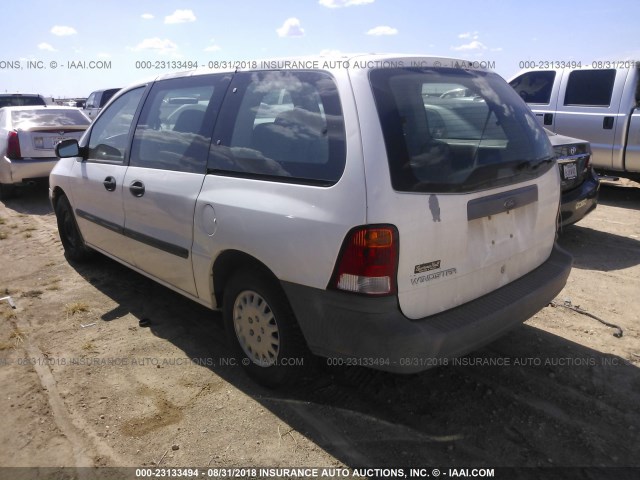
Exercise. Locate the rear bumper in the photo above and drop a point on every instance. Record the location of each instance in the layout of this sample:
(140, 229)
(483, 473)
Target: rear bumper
(20, 171)
(575, 204)
(373, 331)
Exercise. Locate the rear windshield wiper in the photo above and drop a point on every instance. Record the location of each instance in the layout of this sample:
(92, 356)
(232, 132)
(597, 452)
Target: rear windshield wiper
(533, 166)
(543, 161)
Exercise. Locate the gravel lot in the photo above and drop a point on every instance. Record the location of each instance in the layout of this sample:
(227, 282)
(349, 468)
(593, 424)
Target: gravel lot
(99, 389)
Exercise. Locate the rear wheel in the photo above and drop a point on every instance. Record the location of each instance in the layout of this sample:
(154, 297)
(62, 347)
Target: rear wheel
(263, 329)
(72, 241)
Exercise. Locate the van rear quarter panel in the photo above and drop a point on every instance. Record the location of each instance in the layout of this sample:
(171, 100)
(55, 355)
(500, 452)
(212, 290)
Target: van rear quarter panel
(295, 230)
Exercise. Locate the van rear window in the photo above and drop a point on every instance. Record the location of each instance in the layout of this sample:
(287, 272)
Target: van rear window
(449, 130)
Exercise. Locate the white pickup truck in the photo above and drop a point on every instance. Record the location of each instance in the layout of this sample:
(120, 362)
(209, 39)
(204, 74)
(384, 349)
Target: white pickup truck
(601, 105)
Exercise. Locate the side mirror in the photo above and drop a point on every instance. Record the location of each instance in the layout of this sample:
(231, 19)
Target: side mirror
(68, 148)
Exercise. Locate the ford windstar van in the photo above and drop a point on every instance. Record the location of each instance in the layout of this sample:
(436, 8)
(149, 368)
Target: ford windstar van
(348, 208)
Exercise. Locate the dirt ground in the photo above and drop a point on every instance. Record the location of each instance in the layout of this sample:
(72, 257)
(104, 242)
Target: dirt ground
(84, 384)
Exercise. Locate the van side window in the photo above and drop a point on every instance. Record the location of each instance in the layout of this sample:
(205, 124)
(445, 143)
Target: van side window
(281, 126)
(110, 132)
(175, 126)
(591, 88)
(534, 87)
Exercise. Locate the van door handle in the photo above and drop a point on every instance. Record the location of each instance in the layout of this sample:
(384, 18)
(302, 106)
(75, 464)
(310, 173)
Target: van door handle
(607, 123)
(137, 188)
(109, 183)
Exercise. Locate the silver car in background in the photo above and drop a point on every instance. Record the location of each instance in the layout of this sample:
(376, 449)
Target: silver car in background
(28, 137)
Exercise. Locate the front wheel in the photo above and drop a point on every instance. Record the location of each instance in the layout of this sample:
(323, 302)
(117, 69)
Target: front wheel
(262, 329)
(72, 241)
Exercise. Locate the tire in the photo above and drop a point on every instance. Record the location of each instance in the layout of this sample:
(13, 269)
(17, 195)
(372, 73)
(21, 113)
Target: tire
(6, 191)
(256, 309)
(74, 247)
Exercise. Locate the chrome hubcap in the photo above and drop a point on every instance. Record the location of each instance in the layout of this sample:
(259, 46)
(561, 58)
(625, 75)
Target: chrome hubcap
(256, 328)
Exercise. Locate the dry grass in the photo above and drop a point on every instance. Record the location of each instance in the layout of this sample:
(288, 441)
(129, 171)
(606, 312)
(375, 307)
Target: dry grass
(9, 315)
(3, 236)
(53, 284)
(76, 307)
(6, 312)
(89, 347)
(17, 336)
(32, 294)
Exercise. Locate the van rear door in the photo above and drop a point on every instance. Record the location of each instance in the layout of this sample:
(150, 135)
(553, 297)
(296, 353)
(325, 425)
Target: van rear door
(473, 187)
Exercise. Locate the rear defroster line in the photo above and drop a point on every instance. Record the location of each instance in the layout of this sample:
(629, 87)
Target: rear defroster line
(576, 308)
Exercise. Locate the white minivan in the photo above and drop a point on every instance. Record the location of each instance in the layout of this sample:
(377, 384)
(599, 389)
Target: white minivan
(345, 208)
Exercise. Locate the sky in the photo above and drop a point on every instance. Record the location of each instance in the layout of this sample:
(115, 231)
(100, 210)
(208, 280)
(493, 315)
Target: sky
(70, 48)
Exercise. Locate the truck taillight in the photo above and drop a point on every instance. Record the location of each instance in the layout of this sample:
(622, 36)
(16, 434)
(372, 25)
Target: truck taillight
(13, 146)
(368, 261)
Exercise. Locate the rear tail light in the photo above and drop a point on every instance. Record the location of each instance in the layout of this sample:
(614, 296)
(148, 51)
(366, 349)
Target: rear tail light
(13, 146)
(368, 261)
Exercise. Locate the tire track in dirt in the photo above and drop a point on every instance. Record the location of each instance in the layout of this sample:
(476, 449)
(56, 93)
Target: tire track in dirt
(61, 416)
(88, 449)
